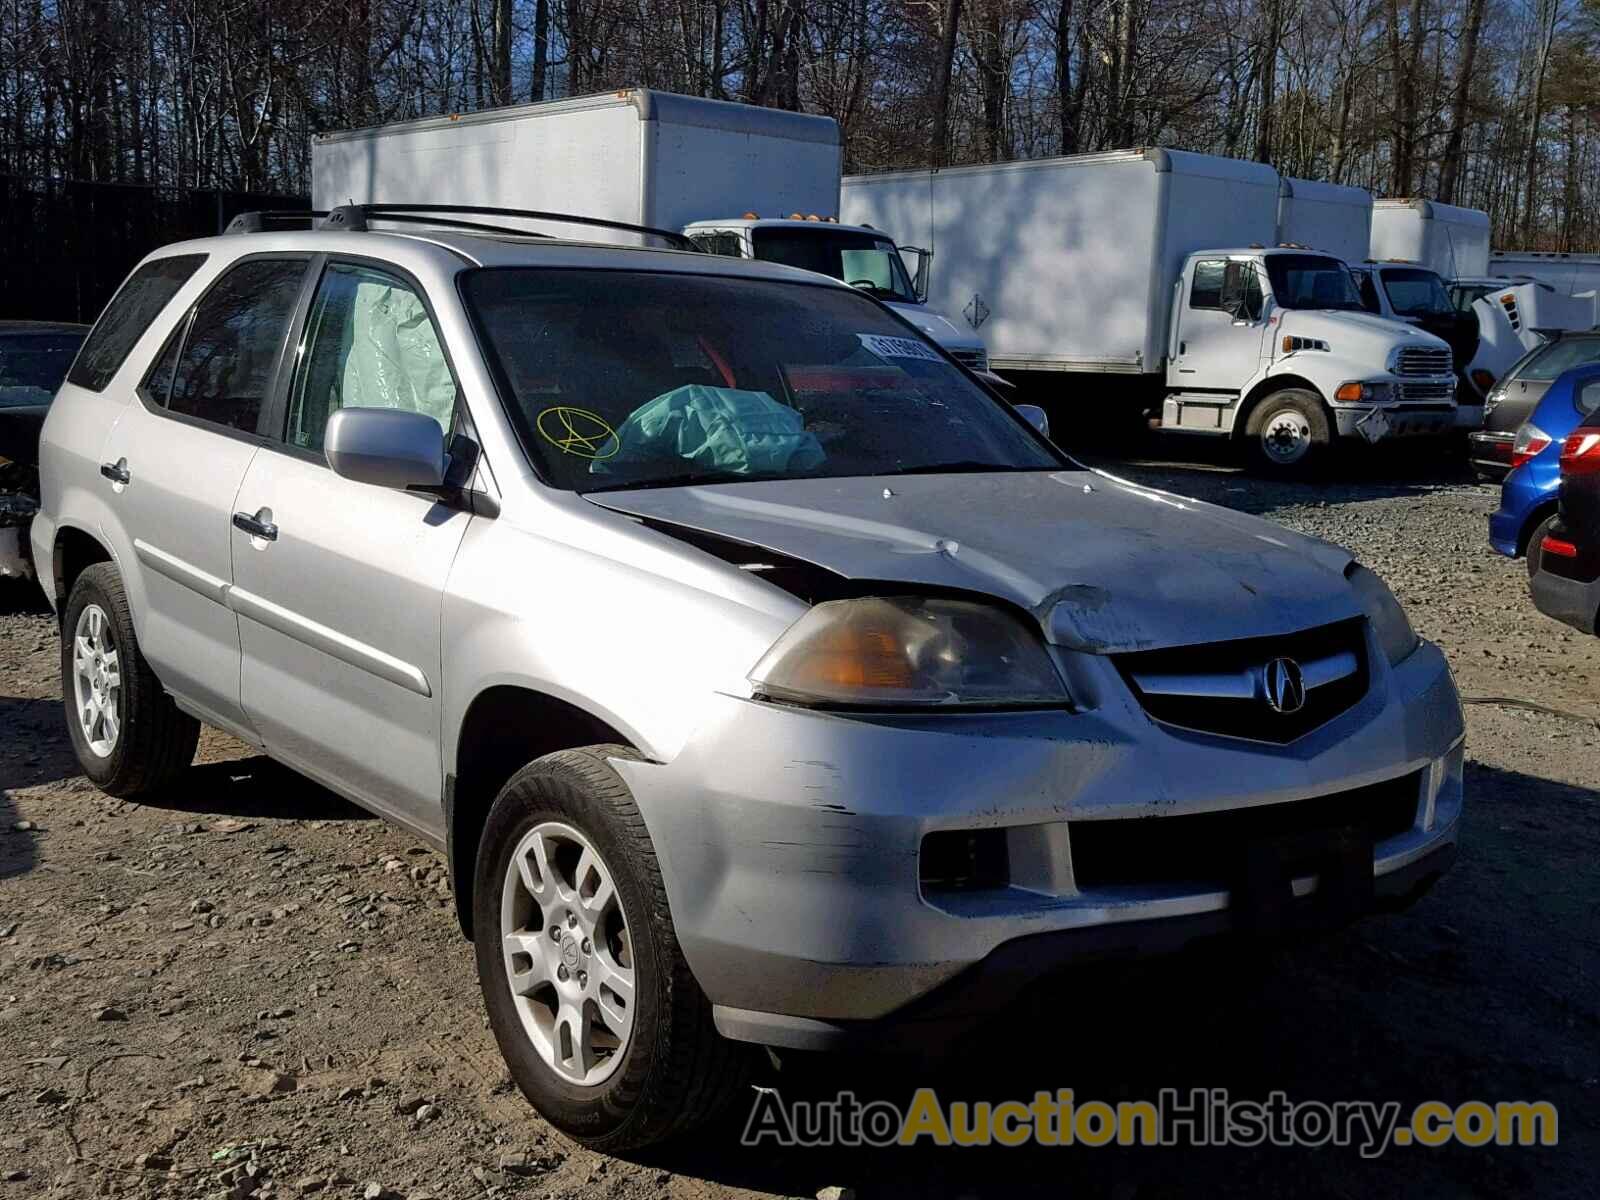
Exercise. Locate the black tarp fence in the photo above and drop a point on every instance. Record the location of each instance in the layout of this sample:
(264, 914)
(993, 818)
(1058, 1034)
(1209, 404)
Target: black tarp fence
(65, 245)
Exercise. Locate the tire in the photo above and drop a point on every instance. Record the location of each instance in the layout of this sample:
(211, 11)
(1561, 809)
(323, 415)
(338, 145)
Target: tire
(671, 1071)
(1535, 543)
(1288, 433)
(151, 739)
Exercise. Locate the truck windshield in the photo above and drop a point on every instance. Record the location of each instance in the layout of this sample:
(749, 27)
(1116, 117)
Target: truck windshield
(631, 379)
(864, 260)
(1311, 281)
(1416, 292)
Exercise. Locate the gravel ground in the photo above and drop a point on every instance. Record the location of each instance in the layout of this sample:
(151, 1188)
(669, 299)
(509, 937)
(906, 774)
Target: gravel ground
(250, 988)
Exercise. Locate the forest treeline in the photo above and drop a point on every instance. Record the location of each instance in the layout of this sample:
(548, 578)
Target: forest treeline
(1488, 103)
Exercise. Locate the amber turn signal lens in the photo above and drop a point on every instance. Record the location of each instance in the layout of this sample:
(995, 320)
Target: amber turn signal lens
(1350, 393)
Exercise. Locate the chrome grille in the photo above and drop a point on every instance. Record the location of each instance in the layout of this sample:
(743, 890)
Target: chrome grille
(1427, 393)
(973, 360)
(1422, 360)
(1221, 687)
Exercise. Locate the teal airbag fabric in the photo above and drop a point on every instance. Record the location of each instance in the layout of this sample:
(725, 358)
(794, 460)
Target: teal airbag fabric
(724, 429)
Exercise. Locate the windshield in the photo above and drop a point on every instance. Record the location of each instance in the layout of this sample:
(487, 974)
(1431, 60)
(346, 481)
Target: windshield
(1311, 281)
(1414, 292)
(864, 260)
(1465, 294)
(622, 379)
(1557, 357)
(32, 365)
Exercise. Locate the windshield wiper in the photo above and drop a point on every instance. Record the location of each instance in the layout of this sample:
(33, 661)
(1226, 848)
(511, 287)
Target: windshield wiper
(693, 479)
(966, 466)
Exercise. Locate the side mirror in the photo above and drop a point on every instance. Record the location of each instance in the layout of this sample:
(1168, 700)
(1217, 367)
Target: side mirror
(919, 282)
(385, 447)
(1035, 416)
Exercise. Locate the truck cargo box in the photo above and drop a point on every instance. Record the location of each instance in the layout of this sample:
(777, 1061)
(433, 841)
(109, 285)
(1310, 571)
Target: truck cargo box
(1325, 216)
(1069, 264)
(1452, 241)
(1568, 274)
(640, 156)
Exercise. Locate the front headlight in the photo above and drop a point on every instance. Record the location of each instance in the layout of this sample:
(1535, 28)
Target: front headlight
(908, 651)
(1388, 619)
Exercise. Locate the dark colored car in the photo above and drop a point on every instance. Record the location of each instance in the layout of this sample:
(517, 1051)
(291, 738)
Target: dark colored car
(1566, 584)
(1528, 494)
(1513, 399)
(34, 357)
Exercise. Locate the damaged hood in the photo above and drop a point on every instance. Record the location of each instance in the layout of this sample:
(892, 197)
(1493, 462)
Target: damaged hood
(1104, 565)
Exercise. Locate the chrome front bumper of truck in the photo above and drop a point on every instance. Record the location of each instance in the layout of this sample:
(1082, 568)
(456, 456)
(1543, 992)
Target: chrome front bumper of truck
(793, 843)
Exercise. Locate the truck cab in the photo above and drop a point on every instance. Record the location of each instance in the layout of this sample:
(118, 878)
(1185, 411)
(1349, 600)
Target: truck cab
(1402, 290)
(1274, 345)
(860, 255)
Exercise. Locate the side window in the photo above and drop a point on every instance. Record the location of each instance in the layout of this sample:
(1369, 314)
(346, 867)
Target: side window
(157, 386)
(725, 244)
(1241, 291)
(1589, 397)
(369, 344)
(138, 302)
(1206, 291)
(234, 340)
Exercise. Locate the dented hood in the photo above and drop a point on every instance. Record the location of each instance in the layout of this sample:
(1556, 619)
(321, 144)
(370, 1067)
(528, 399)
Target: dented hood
(1104, 565)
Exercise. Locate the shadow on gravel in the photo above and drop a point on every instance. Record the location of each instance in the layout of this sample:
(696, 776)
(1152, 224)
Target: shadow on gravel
(34, 748)
(1482, 991)
(17, 853)
(21, 596)
(252, 787)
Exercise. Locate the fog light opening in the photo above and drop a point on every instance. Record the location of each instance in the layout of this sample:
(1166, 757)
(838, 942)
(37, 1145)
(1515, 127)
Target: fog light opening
(964, 860)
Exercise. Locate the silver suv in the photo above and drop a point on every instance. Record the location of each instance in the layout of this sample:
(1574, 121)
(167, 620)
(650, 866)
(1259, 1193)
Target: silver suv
(766, 679)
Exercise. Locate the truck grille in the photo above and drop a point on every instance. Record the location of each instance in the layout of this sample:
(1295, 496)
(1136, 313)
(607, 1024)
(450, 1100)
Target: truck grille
(1427, 393)
(1208, 847)
(973, 360)
(1422, 360)
(1227, 688)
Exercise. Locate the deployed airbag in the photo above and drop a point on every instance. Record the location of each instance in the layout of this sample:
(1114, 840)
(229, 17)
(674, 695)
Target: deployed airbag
(395, 360)
(722, 428)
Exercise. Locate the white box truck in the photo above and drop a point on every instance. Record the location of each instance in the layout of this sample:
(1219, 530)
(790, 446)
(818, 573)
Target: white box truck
(1450, 240)
(1325, 216)
(1163, 265)
(754, 182)
(1568, 274)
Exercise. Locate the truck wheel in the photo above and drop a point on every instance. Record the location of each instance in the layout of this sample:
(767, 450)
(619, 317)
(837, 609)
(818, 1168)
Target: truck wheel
(130, 738)
(1288, 432)
(599, 1019)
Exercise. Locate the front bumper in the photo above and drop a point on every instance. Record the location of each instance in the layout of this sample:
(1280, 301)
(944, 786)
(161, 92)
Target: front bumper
(1571, 601)
(1394, 421)
(790, 839)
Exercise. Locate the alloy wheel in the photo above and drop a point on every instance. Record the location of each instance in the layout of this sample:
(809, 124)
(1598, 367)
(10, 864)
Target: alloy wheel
(97, 681)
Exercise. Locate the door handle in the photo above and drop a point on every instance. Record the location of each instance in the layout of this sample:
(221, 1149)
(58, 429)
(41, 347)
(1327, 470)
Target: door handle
(117, 472)
(1183, 347)
(265, 530)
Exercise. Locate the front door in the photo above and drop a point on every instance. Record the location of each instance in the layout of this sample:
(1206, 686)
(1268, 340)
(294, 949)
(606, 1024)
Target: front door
(340, 605)
(1220, 328)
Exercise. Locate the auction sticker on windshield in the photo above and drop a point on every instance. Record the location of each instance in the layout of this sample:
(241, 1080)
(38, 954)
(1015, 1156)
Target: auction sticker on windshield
(897, 347)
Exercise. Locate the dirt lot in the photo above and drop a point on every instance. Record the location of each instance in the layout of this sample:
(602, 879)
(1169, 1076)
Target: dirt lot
(250, 988)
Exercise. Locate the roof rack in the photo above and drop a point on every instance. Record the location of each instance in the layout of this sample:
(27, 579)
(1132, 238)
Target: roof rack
(357, 217)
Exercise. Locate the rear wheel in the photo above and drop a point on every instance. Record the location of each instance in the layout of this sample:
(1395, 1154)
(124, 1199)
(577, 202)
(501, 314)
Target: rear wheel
(1536, 544)
(595, 1010)
(129, 736)
(1288, 432)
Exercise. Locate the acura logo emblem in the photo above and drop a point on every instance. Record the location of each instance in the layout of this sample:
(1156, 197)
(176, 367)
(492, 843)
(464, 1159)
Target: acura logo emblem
(1285, 685)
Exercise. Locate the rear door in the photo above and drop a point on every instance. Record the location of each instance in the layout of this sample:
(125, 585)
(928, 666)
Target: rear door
(340, 607)
(174, 463)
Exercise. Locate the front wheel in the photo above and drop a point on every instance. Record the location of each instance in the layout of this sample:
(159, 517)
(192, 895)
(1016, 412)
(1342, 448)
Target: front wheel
(595, 1010)
(1288, 432)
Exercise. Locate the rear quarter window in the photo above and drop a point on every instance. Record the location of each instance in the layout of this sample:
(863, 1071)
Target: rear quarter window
(138, 302)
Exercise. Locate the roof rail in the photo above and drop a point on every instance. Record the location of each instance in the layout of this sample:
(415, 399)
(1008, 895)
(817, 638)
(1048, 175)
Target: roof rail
(357, 216)
(261, 222)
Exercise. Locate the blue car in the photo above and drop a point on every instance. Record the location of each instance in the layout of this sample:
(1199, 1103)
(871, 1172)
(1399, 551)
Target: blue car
(1528, 495)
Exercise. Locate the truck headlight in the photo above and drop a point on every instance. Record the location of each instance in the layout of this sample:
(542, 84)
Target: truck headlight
(1389, 620)
(1362, 392)
(909, 651)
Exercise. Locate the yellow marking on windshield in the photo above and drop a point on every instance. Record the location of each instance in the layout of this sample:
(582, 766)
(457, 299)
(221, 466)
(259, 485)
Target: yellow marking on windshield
(578, 432)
